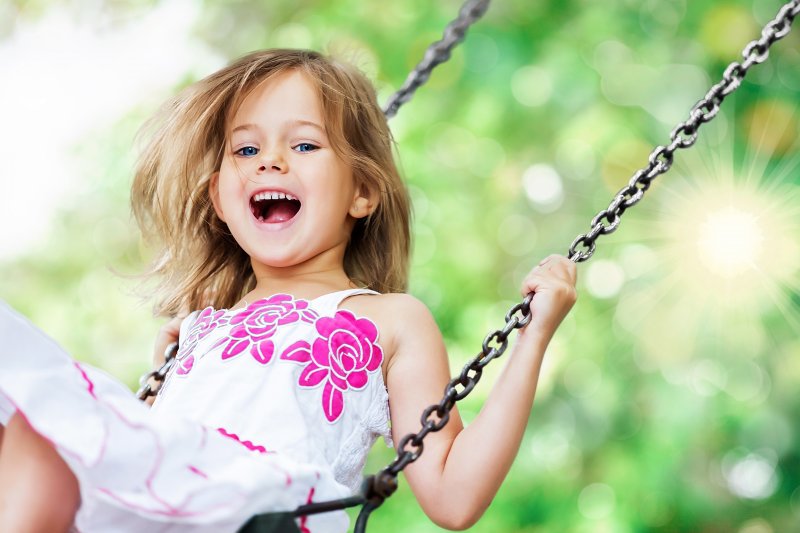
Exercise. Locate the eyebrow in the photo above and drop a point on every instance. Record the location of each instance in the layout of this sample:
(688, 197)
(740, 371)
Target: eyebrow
(294, 123)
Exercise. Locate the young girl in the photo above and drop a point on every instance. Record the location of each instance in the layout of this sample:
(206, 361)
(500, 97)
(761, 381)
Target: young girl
(284, 224)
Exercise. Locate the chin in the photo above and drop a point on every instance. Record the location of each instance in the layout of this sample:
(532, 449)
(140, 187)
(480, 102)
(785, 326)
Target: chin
(275, 261)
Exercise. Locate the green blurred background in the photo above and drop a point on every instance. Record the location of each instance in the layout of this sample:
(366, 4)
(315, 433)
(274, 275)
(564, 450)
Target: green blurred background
(669, 399)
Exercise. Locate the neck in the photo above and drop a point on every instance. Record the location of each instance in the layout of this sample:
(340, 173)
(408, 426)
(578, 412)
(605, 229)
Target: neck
(307, 285)
(306, 280)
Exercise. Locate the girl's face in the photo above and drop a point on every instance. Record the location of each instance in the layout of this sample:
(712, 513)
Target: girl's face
(286, 196)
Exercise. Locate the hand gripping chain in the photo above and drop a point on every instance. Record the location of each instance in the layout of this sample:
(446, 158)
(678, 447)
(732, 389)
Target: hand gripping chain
(606, 221)
(378, 487)
(685, 134)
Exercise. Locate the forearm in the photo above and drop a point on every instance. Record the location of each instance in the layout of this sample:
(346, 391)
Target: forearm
(482, 453)
(461, 470)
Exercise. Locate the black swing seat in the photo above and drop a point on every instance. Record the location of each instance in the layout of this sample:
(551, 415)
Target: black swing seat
(374, 490)
(271, 523)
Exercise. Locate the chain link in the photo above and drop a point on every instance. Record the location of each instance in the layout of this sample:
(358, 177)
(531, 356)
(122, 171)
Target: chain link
(383, 484)
(437, 53)
(582, 248)
(685, 134)
(435, 416)
(151, 382)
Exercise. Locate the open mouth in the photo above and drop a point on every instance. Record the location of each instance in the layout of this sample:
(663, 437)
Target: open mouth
(273, 207)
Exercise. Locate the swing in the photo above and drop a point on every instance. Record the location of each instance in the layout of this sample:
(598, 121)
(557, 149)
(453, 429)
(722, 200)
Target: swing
(376, 488)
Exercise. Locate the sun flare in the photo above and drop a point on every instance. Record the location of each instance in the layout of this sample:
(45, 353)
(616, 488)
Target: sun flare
(733, 236)
(730, 241)
(721, 237)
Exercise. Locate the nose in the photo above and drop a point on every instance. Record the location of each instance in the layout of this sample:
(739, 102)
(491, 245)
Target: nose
(272, 161)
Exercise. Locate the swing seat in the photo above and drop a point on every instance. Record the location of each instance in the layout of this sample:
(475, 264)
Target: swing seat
(271, 523)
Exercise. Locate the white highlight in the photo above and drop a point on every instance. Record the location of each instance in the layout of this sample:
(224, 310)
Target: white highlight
(730, 241)
(68, 75)
(604, 278)
(543, 187)
(752, 477)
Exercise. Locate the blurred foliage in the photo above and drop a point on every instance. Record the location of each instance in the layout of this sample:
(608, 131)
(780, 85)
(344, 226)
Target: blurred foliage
(669, 398)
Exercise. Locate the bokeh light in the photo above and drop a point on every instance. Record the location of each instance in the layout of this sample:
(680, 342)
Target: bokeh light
(543, 187)
(668, 398)
(532, 86)
(596, 501)
(604, 278)
(756, 525)
(752, 476)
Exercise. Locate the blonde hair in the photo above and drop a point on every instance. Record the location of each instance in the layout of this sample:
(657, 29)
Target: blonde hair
(199, 262)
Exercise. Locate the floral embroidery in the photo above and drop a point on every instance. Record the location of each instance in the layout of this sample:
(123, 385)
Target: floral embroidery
(340, 357)
(254, 326)
(343, 354)
(203, 324)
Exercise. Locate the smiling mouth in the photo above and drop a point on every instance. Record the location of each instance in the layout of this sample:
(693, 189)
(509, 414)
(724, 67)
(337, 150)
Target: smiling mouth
(274, 207)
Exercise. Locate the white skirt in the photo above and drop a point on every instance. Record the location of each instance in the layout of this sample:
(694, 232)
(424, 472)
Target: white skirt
(138, 471)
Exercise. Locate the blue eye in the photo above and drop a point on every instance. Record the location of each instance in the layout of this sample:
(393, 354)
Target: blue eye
(305, 147)
(247, 151)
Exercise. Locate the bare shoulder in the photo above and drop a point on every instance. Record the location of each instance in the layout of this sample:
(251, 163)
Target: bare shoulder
(393, 309)
(398, 316)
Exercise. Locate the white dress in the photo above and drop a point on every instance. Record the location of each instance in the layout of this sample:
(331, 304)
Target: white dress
(269, 407)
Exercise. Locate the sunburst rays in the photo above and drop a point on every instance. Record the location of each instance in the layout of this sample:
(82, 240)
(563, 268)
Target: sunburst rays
(724, 232)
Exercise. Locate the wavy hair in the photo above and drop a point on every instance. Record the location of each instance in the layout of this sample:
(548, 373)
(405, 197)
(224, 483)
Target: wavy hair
(198, 262)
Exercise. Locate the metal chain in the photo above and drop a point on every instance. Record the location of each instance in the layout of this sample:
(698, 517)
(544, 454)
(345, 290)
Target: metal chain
(374, 492)
(151, 382)
(437, 53)
(383, 484)
(435, 416)
(684, 135)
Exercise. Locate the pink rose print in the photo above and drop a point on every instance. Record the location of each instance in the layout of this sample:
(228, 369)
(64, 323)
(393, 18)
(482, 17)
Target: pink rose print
(342, 356)
(203, 324)
(254, 327)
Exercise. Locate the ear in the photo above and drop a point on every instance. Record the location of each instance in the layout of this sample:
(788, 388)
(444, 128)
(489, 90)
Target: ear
(364, 203)
(213, 192)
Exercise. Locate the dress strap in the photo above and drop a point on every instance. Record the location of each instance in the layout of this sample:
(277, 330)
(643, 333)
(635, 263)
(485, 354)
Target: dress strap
(327, 304)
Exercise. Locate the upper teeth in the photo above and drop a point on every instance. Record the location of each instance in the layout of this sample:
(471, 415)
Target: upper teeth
(273, 196)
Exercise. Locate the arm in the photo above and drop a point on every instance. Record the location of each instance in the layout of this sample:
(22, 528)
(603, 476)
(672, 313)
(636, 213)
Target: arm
(461, 469)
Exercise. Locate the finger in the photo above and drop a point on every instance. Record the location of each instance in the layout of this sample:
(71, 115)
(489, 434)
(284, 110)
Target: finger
(533, 282)
(550, 258)
(559, 265)
(565, 268)
(540, 285)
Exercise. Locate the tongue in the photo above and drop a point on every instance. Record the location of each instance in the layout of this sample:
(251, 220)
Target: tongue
(280, 212)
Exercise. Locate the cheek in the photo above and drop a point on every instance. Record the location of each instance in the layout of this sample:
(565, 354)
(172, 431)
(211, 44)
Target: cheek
(230, 184)
(229, 194)
(232, 169)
